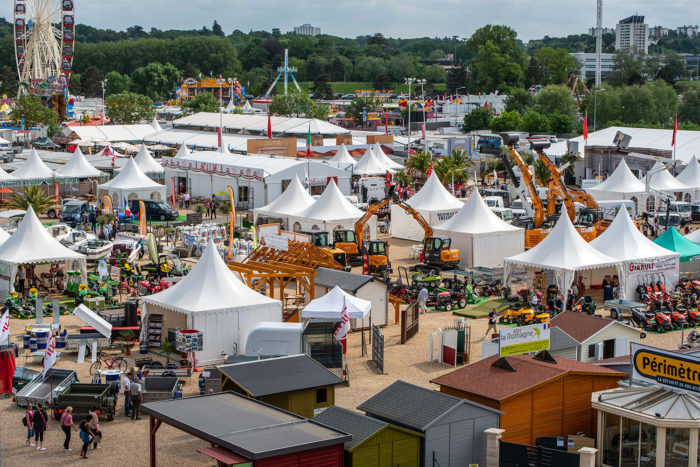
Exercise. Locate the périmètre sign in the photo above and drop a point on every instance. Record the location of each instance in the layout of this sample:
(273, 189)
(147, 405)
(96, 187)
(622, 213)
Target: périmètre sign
(665, 367)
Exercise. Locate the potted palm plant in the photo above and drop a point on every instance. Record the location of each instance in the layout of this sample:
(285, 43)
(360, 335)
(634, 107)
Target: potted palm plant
(126, 339)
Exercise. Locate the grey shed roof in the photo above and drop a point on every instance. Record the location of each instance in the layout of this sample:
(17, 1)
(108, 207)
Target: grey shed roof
(278, 375)
(245, 426)
(560, 339)
(412, 406)
(359, 426)
(347, 281)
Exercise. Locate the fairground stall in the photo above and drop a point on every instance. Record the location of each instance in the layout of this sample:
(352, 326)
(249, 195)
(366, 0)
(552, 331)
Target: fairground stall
(131, 183)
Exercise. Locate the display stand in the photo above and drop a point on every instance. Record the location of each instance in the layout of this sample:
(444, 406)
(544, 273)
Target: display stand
(189, 341)
(155, 330)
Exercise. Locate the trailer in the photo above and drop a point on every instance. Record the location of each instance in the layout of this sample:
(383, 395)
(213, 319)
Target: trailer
(82, 397)
(158, 388)
(22, 377)
(45, 388)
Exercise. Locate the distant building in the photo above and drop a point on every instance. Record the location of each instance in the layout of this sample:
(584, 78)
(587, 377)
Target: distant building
(690, 31)
(632, 32)
(587, 61)
(657, 32)
(307, 30)
(592, 31)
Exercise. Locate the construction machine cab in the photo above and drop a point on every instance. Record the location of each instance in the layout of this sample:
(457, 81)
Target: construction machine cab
(378, 257)
(589, 217)
(344, 236)
(437, 252)
(346, 240)
(319, 239)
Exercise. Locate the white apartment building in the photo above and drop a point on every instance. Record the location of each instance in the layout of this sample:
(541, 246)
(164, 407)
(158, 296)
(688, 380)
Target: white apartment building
(632, 32)
(587, 62)
(307, 30)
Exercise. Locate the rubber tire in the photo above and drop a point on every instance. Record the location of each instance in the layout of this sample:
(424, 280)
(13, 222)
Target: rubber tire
(162, 217)
(642, 335)
(501, 320)
(110, 415)
(614, 314)
(169, 373)
(51, 214)
(462, 302)
(172, 366)
(659, 328)
(95, 367)
(121, 364)
(448, 307)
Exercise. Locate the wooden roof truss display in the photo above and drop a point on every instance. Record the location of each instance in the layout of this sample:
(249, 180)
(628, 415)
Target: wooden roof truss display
(298, 253)
(275, 274)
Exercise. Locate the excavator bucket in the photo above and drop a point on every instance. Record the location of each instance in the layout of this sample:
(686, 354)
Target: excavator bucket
(509, 139)
(539, 144)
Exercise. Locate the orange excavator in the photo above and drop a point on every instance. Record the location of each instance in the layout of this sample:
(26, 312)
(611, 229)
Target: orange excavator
(436, 250)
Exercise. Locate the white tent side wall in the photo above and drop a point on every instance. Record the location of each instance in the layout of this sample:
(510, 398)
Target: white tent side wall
(485, 250)
(405, 227)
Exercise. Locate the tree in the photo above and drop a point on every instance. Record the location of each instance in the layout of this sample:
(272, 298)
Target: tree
(378, 39)
(689, 109)
(298, 104)
(202, 102)
(560, 123)
(541, 174)
(33, 111)
(555, 65)
(382, 81)
(8, 81)
(129, 108)
(628, 67)
(555, 98)
(453, 167)
(91, 82)
(216, 29)
(117, 83)
(507, 121)
(497, 58)
(434, 74)
(155, 80)
(477, 119)
(402, 178)
(34, 196)
(673, 68)
(418, 163)
(535, 122)
(321, 89)
(519, 100)
(456, 78)
(359, 104)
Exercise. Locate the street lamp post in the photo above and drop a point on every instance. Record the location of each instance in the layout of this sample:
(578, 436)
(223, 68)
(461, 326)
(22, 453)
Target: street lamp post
(104, 84)
(409, 81)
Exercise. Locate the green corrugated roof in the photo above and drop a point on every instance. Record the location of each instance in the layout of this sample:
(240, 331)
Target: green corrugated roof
(674, 241)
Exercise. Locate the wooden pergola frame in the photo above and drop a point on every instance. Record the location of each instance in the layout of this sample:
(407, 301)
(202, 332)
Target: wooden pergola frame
(275, 274)
(297, 254)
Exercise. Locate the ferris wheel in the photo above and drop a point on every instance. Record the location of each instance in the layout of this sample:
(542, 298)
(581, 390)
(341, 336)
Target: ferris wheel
(44, 36)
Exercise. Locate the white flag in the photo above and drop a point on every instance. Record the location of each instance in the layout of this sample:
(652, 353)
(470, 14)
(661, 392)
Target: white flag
(495, 178)
(50, 355)
(5, 327)
(342, 332)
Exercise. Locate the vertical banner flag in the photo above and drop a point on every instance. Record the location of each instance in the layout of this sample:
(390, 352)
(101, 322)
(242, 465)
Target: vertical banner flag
(49, 355)
(5, 327)
(386, 124)
(254, 236)
(423, 129)
(585, 126)
(308, 142)
(142, 218)
(127, 211)
(430, 170)
(341, 334)
(269, 125)
(172, 190)
(55, 192)
(675, 130)
(108, 204)
(231, 222)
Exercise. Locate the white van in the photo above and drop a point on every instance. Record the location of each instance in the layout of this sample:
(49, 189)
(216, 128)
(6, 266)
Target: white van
(610, 208)
(683, 209)
(493, 201)
(504, 213)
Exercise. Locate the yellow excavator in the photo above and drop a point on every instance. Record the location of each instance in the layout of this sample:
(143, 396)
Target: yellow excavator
(437, 253)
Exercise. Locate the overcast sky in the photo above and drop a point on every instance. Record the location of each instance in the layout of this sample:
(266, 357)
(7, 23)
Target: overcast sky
(532, 19)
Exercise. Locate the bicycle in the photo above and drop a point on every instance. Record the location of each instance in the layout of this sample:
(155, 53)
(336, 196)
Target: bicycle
(111, 363)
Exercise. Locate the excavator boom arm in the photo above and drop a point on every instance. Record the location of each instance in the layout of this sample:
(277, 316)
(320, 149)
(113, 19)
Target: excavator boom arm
(527, 176)
(372, 210)
(561, 187)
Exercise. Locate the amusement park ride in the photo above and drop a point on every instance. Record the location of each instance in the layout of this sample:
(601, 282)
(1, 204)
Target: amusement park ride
(44, 36)
(286, 71)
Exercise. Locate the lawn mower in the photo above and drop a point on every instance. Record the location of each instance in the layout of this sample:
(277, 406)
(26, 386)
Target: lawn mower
(643, 319)
(73, 283)
(81, 294)
(585, 304)
(14, 304)
(690, 342)
(168, 265)
(663, 321)
(514, 312)
(151, 286)
(533, 316)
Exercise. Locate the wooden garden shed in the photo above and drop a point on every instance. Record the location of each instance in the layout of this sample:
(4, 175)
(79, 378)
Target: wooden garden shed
(297, 383)
(538, 396)
(374, 442)
(453, 427)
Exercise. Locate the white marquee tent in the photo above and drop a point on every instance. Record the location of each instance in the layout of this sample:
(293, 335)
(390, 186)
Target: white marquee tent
(330, 212)
(7, 179)
(694, 236)
(183, 152)
(370, 165)
(293, 200)
(147, 163)
(434, 203)
(691, 176)
(343, 157)
(32, 244)
(34, 170)
(330, 306)
(78, 167)
(563, 252)
(131, 183)
(640, 256)
(621, 184)
(213, 300)
(483, 238)
(664, 181)
(377, 149)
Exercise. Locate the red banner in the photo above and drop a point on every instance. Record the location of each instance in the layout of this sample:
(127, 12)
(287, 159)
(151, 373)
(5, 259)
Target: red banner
(231, 222)
(55, 210)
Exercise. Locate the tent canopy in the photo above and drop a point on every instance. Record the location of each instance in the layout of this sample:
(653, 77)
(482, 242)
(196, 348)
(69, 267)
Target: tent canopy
(4, 236)
(620, 183)
(674, 241)
(694, 236)
(183, 152)
(691, 174)
(476, 218)
(433, 197)
(78, 167)
(664, 181)
(131, 177)
(34, 169)
(5, 177)
(332, 206)
(377, 148)
(146, 162)
(292, 201)
(343, 156)
(330, 306)
(209, 287)
(369, 164)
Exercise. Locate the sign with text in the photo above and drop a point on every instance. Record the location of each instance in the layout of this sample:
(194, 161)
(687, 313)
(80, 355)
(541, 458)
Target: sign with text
(665, 367)
(278, 242)
(524, 339)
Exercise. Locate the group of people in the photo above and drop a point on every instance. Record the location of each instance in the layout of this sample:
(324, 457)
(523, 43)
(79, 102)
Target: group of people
(211, 206)
(133, 395)
(37, 423)
(184, 200)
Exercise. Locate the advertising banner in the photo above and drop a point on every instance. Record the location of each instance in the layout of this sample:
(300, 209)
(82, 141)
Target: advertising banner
(665, 367)
(524, 339)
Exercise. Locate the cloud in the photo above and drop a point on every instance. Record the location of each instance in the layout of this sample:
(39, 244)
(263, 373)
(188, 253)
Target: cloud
(406, 18)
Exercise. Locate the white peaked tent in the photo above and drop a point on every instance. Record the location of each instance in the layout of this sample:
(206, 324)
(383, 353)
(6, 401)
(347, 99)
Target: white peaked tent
(147, 163)
(7, 179)
(33, 244)
(640, 256)
(343, 156)
(4, 236)
(330, 212)
(247, 108)
(694, 236)
(131, 183)
(664, 181)
(330, 306)
(377, 148)
(434, 203)
(156, 126)
(564, 252)
(483, 238)
(293, 200)
(370, 165)
(108, 151)
(621, 184)
(213, 300)
(78, 167)
(183, 152)
(34, 171)
(230, 107)
(691, 176)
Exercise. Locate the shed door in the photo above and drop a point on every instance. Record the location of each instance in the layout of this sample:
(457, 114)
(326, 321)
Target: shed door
(406, 452)
(461, 442)
(437, 445)
(622, 346)
(385, 455)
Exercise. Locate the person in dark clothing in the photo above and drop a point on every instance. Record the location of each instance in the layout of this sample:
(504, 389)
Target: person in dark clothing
(67, 425)
(93, 221)
(85, 436)
(40, 421)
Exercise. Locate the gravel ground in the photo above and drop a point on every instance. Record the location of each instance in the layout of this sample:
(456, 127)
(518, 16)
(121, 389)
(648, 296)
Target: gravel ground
(126, 442)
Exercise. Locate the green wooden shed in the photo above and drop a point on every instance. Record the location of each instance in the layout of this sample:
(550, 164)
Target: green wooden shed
(374, 442)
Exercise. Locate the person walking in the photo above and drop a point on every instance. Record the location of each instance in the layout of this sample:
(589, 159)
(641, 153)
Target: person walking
(67, 425)
(127, 395)
(136, 399)
(206, 206)
(28, 415)
(212, 206)
(95, 426)
(187, 200)
(423, 299)
(21, 278)
(93, 221)
(39, 424)
(85, 437)
(493, 315)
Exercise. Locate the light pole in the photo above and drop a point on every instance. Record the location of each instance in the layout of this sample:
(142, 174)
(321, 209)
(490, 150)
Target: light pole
(455, 104)
(409, 81)
(422, 97)
(454, 57)
(104, 85)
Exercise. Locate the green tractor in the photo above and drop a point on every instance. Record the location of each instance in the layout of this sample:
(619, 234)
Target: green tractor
(72, 283)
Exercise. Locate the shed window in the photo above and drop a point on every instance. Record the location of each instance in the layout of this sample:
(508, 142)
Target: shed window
(591, 350)
(321, 395)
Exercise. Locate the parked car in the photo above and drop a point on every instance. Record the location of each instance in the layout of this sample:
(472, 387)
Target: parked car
(155, 210)
(45, 143)
(348, 96)
(73, 210)
(695, 211)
